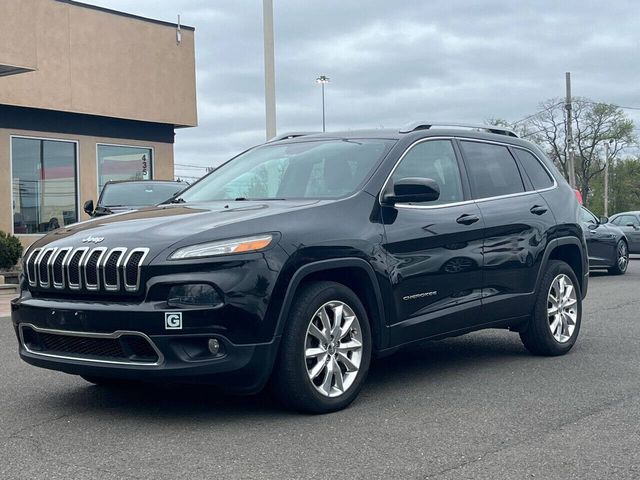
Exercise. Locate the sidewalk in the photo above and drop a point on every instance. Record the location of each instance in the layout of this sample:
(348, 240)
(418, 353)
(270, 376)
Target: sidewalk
(5, 307)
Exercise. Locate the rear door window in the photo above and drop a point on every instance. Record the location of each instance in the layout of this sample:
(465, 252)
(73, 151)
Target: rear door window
(492, 170)
(539, 176)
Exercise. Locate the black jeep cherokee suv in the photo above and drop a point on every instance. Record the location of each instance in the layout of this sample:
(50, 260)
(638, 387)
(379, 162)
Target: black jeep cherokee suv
(300, 259)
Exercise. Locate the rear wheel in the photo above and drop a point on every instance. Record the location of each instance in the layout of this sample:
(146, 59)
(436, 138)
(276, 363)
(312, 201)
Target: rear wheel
(622, 259)
(325, 350)
(555, 323)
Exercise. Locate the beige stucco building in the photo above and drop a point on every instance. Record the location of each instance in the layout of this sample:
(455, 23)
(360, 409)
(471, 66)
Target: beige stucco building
(87, 95)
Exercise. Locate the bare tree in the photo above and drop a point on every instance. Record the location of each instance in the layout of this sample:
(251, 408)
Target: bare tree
(593, 125)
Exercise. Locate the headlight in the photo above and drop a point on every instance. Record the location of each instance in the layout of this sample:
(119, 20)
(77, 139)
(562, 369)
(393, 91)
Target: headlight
(224, 247)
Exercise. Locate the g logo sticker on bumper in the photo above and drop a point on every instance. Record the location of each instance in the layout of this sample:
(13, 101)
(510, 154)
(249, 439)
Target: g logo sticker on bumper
(173, 320)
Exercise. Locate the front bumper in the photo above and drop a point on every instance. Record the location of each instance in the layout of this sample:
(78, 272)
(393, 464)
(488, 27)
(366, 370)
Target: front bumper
(126, 342)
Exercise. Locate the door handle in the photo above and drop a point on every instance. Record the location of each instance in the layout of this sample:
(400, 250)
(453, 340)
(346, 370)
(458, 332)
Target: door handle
(538, 210)
(467, 219)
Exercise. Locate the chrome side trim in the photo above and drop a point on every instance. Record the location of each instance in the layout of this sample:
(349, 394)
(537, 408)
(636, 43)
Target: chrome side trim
(67, 266)
(54, 257)
(108, 286)
(114, 335)
(45, 251)
(464, 202)
(85, 262)
(129, 287)
(33, 282)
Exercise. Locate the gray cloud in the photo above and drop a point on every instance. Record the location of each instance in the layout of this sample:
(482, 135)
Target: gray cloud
(393, 62)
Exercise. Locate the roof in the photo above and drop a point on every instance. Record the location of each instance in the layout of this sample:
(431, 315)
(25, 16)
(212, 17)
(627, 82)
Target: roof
(124, 14)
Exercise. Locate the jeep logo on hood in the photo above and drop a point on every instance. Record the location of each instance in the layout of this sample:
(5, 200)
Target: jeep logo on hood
(91, 239)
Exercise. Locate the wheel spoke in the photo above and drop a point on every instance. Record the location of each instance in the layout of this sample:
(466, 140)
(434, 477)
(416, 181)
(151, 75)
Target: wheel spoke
(315, 352)
(552, 311)
(555, 323)
(346, 328)
(570, 302)
(326, 324)
(316, 333)
(337, 320)
(567, 293)
(318, 368)
(337, 375)
(349, 346)
(328, 378)
(346, 361)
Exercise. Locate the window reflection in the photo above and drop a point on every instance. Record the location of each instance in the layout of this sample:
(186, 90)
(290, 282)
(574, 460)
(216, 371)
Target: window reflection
(123, 163)
(44, 185)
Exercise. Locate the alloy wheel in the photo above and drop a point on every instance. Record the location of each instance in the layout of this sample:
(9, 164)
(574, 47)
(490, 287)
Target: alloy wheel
(333, 348)
(623, 256)
(562, 310)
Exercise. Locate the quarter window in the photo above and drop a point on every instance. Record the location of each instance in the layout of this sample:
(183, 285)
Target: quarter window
(436, 160)
(44, 179)
(538, 175)
(492, 170)
(624, 220)
(123, 163)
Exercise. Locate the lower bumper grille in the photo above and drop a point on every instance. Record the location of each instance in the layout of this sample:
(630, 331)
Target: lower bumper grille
(122, 347)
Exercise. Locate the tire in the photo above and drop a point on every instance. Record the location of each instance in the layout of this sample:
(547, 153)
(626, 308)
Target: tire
(106, 381)
(622, 259)
(292, 376)
(537, 337)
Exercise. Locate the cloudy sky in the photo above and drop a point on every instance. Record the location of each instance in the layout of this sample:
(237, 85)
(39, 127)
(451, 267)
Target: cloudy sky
(391, 62)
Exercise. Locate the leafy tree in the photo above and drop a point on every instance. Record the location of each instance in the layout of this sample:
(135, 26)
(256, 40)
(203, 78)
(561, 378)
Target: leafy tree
(594, 124)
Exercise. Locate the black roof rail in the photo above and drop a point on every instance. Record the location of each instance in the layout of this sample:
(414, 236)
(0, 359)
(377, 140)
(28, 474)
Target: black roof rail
(287, 136)
(412, 127)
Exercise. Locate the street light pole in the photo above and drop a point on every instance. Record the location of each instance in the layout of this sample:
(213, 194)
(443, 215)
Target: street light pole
(606, 177)
(322, 79)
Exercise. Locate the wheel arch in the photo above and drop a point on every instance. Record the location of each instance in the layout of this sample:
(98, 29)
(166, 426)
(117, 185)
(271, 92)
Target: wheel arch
(356, 274)
(571, 251)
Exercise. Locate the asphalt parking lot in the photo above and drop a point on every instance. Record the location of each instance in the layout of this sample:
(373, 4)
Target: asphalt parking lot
(477, 406)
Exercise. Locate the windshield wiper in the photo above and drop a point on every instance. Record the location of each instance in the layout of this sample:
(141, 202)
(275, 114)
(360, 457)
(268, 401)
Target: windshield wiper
(177, 200)
(245, 199)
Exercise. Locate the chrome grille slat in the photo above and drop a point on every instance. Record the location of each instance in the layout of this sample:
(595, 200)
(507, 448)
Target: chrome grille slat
(57, 267)
(132, 268)
(86, 269)
(43, 264)
(91, 268)
(30, 267)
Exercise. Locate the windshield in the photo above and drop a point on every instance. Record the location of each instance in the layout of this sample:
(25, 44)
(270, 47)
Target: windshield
(138, 194)
(313, 169)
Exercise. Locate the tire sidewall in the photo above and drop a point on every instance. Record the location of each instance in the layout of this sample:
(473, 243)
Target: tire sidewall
(541, 318)
(296, 332)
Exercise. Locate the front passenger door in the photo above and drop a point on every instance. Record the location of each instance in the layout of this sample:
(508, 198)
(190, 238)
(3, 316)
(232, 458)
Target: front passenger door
(433, 249)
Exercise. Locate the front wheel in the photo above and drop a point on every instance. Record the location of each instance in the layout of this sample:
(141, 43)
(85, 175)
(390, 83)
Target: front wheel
(622, 259)
(555, 323)
(325, 350)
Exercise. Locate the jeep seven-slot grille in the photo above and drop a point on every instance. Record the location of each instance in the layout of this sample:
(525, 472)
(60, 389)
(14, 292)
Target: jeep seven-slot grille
(87, 269)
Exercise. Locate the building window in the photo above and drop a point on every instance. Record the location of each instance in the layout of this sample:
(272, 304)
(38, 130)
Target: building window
(44, 184)
(123, 163)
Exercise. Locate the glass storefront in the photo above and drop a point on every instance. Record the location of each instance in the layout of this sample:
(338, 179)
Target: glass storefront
(123, 163)
(44, 180)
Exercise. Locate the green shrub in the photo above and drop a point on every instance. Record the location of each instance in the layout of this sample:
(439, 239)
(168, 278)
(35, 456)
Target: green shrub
(10, 250)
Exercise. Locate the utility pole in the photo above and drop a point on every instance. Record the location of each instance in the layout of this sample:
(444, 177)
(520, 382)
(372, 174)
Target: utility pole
(606, 177)
(269, 69)
(570, 148)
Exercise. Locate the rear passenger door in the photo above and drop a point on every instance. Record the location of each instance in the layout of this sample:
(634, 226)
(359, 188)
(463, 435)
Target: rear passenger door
(517, 220)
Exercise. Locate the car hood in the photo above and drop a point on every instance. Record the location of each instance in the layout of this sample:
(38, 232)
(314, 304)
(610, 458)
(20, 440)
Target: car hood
(162, 226)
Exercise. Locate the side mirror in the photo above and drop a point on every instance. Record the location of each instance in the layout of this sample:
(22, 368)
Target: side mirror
(412, 189)
(603, 219)
(88, 207)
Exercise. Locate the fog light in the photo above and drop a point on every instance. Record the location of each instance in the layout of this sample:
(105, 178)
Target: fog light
(214, 346)
(193, 295)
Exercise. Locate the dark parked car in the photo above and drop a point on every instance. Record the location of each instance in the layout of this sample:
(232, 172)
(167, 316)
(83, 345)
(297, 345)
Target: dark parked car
(121, 196)
(629, 223)
(607, 245)
(300, 259)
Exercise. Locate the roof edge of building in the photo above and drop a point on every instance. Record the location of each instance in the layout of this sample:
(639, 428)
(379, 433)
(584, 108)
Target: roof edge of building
(125, 14)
